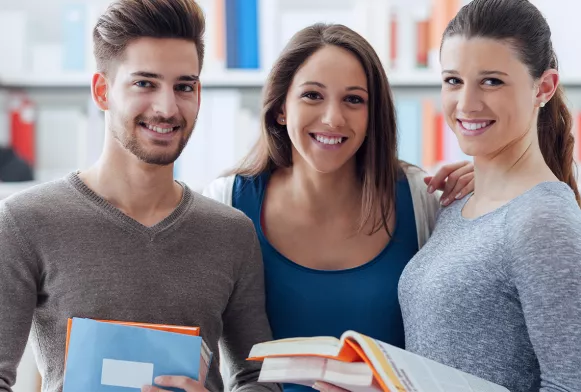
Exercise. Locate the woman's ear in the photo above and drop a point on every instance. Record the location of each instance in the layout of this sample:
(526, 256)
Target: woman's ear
(99, 89)
(547, 86)
(281, 117)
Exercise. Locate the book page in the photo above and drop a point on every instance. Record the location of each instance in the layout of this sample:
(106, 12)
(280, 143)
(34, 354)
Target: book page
(404, 371)
(352, 376)
(317, 346)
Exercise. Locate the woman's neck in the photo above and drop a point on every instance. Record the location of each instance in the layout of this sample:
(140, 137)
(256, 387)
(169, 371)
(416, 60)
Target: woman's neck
(505, 175)
(322, 195)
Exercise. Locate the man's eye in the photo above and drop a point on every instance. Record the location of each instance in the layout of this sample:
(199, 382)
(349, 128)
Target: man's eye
(143, 84)
(186, 88)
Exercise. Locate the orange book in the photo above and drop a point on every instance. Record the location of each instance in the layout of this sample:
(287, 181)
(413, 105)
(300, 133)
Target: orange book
(358, 363)
(443, 11)
(220, 29)
(393, 37)
(422, 44)
(440, 138)
(429, 146)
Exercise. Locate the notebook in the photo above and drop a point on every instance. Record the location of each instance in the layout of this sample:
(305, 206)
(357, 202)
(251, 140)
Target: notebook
(115, 356)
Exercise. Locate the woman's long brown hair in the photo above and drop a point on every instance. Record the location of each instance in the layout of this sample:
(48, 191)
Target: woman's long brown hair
(376, 159)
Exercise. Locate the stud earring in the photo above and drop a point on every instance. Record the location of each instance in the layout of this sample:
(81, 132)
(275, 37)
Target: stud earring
(282, 120)
(542, 104)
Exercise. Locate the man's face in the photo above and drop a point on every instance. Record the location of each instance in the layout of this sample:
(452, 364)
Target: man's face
(154, 97)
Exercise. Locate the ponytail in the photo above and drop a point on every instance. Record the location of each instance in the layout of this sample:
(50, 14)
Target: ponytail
(556, 140)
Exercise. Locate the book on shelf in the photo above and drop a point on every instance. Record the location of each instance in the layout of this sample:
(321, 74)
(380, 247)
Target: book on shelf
(111, 356)
(356, 362)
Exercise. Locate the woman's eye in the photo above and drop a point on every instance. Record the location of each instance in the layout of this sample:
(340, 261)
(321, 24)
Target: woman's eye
(493, 82)
(311, 95)
(452, 81)
(355, 99)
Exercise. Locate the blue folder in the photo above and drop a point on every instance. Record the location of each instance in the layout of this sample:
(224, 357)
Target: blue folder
(107, 357)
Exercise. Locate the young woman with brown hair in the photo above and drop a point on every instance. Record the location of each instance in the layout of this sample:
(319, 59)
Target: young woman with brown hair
(337, 214)
(496, 291)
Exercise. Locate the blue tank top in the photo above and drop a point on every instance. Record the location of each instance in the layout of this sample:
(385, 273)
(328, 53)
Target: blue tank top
(303, 302)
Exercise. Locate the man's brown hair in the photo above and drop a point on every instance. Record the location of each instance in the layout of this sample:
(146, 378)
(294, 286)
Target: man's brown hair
(126, 20)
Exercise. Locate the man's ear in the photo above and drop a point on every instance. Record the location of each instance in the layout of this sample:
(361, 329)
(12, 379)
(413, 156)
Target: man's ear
(99, 89)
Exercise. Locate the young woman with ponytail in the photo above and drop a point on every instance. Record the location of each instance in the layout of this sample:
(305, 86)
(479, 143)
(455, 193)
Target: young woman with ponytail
(496, 291)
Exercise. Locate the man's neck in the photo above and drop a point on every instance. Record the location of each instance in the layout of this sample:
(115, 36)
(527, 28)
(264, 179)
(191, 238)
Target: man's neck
(144, 192)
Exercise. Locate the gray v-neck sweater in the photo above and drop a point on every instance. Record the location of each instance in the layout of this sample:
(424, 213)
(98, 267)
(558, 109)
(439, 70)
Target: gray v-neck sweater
(500, 296)
(66, 252)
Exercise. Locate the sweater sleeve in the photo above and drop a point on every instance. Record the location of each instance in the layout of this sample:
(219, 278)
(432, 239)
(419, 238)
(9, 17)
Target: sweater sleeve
(426, 205)
(544, 240)
(245, 321)
(18, 295)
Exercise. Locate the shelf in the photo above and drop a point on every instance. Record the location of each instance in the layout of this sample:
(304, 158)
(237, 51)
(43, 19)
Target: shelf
(237, 78)
(229, 79)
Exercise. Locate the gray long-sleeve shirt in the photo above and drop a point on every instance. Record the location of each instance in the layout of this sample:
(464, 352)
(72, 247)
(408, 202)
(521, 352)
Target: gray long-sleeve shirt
(66, 252)
(499, 296)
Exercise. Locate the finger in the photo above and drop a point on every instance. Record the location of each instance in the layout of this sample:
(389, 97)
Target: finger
(461, 191)
(464, 185)
(185, 383)
(452, 180)
(151, 388)
(427, 180)
(438, 180)
(324, 387)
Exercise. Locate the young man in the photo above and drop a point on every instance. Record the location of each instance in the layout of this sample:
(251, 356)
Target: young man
(123, 240)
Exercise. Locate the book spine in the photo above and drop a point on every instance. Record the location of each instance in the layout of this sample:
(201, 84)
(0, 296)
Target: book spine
(247, 23)
(74, 22)
(232, 36)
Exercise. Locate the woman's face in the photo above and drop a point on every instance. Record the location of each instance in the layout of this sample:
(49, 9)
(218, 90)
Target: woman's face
(489, 98)
(326, 109)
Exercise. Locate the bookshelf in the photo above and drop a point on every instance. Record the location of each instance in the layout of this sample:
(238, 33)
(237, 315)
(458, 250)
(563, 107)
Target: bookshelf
(59, 86)
(70, 129)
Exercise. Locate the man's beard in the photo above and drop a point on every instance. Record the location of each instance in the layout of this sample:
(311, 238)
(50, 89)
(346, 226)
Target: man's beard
(130, 140)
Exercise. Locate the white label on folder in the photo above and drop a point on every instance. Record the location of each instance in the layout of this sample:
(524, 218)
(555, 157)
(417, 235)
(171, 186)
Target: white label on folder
(126, 374)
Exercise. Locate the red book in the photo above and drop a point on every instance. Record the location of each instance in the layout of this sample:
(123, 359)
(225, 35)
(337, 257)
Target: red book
(22, 127)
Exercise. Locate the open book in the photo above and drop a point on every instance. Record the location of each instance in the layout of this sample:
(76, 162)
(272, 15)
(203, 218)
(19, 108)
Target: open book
(362, 364)
(116, 355)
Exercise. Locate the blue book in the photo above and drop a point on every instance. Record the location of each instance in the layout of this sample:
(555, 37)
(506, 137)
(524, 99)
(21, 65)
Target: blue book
(110, 357)
(232, 45)
(409, 127)
(248, 41)
(74, 37)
